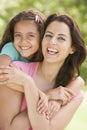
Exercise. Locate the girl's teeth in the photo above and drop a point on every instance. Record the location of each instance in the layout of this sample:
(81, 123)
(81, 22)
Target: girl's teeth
(24, 48)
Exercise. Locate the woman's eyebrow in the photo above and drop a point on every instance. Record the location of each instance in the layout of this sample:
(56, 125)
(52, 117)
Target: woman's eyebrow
(62, 35)
(49, 32)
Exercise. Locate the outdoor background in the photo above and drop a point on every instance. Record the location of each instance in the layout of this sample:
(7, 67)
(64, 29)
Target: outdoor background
(78, 10)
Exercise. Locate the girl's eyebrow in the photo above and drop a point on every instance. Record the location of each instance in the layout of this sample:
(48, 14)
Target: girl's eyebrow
(31, 33)
(26, 33)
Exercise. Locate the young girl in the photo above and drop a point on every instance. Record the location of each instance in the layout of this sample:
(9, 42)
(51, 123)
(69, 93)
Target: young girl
(63, 49)
(21, 38)
(20, 41)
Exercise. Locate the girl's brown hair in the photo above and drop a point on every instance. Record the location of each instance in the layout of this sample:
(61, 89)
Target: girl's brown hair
(38, 17)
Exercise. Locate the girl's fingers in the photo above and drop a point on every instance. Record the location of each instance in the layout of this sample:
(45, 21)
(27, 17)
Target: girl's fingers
(70, 91)
(43, 110)
(42, 105)
(53, 109)
(4, 82)
(68, 96)
(3, 76)
(42, 102)
(64, 100)
(39, 102)
(7, 70)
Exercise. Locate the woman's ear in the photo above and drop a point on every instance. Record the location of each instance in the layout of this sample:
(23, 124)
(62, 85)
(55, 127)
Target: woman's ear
(72, 50)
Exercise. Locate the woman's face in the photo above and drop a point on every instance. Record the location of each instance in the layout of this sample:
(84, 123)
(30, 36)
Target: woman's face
(57, 43)
(26, 38)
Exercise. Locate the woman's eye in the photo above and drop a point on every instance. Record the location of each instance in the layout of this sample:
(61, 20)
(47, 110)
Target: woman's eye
(61, 38)
(48, 35)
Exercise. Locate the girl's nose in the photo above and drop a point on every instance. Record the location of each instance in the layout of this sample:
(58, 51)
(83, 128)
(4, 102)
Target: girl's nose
(24, 40)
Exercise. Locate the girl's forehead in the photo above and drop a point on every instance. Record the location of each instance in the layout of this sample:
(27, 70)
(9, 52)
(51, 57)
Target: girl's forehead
(25, 20)
(26, 26)
(25, 23)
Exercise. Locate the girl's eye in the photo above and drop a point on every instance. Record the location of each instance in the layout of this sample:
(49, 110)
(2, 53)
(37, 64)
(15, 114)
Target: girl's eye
(17, 35)
(30, 36)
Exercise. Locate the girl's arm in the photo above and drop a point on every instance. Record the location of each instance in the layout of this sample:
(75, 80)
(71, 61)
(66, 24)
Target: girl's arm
(61, 94)
(75, 85)
(54, 94)
(5, 60)
(39, 121)
(7, 73)
(59, 121)
(8, 54)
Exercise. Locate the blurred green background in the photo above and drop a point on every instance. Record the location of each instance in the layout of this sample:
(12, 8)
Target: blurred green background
(78, 10)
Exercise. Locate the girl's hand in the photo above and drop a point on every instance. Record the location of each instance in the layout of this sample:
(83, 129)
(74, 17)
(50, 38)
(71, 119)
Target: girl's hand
(60, 94)
(2, 74)
(53, 108)
(11, 75)
(65, 95)
(42, 105)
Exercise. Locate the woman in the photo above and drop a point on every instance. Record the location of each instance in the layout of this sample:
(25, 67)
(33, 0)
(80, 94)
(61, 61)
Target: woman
(63, 48)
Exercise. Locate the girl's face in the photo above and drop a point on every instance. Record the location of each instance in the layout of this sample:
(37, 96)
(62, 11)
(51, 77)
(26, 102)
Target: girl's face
(26, 38)
(57, 43)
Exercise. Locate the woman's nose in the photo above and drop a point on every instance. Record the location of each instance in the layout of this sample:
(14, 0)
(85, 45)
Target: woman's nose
(53, 40)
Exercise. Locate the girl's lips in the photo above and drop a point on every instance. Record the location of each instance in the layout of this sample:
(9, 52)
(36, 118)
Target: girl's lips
(25, 48)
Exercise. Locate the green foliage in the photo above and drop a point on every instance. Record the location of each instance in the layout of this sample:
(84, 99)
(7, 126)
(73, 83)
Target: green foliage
(76, 8)
(84, 71)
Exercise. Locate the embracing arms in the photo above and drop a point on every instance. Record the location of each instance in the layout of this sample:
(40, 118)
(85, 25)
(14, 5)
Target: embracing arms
(32, 95)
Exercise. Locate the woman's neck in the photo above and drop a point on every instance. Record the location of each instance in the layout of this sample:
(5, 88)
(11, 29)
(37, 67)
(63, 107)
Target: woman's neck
(49, 71)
